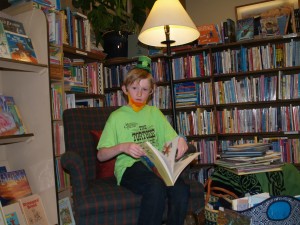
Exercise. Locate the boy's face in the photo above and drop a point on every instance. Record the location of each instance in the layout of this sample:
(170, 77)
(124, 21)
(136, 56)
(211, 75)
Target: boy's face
(139, 91)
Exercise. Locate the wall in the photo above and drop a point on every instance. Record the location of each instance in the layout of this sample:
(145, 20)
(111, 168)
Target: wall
(213, 11)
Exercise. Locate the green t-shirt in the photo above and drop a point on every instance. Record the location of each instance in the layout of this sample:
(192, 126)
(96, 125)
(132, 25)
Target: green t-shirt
(126, 125)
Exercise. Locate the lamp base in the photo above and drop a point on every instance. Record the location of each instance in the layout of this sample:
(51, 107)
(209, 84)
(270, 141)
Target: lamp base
(116, 44)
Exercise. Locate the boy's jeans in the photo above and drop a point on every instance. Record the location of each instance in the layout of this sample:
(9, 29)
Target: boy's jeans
(140, 180)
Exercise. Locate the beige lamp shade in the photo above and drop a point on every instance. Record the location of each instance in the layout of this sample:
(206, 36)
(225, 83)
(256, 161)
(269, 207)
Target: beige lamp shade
(172, 13)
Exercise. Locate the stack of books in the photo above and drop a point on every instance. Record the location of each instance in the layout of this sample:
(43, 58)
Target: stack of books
(250, 158)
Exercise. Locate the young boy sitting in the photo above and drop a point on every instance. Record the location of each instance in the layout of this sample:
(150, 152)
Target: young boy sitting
(131, 125)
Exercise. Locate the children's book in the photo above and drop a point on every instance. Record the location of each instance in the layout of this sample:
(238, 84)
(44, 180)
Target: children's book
(21, 47)
(8, 108)
(208, 34)
(14, 215)
(13, 26)
(4, 48)
(164, 162)
(33, 210)
(13, 186)
(245, 29)
(269, 26)
(65, 212)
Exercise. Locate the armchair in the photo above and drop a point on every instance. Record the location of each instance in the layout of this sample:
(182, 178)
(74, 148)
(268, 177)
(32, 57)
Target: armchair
(100, 200)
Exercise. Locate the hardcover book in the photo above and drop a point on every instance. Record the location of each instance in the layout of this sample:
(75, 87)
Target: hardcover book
(269, 26)
(33, 210)
(13, 26)
(208, 34)
(65, 212)
(9, 109)
(245, 29)
(4, 48)
(164, 162)
(13, 186)
(14, 215)
(21, 48)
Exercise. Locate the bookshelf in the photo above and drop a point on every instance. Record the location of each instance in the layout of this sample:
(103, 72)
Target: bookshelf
(28, 83)
(83, 69)
(243, 94)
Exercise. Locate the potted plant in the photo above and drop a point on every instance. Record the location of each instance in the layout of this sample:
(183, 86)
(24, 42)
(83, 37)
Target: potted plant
(111, 22)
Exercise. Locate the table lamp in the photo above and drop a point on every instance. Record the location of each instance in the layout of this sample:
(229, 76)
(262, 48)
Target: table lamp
(168, 24)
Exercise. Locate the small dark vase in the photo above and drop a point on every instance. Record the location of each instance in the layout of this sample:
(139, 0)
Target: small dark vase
(116, 44)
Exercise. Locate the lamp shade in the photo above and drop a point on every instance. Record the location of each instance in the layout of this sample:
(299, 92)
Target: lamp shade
(172, 13)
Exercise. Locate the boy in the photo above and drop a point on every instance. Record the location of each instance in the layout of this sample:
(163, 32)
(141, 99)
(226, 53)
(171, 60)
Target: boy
(135, 123)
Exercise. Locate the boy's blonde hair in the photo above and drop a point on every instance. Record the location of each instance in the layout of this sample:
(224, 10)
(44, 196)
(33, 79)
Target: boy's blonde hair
(138, 74)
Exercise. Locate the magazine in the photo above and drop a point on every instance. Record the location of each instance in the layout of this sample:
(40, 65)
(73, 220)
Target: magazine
(164, 163)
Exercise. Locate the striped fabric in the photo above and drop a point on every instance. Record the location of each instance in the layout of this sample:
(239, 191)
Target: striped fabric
(100, 201)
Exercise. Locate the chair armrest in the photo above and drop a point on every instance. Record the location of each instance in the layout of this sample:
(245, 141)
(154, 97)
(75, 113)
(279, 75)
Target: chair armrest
(73, 164)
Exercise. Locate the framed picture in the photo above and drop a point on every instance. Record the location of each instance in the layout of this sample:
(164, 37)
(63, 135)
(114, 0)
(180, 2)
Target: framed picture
(255, 9)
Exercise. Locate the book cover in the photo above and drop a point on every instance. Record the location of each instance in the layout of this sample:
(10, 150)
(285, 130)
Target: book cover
(14, 215)
(21, 48)
(8, 106)
(164, 162)
(208, 34)
(65, 212)
(269, 26)
(13, 186)
(7, 124)
(4, 48)
(245, 29)
(13, 26)
(33, 210)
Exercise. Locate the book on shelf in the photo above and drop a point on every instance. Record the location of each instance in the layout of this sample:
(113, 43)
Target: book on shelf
(228, 31)
(11, 119)
(209, 34)
(21, 47)
(245, 29)
(12, 26)
(164, 162)
(33, 210)
(269, 26)
(13, 186)
(4, 48)
(65, 212)
(14, 215)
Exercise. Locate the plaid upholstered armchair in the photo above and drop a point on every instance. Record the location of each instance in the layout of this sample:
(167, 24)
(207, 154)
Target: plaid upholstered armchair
(97, 198)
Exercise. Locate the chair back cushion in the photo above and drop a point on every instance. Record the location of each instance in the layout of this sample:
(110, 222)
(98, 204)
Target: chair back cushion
(78, 124)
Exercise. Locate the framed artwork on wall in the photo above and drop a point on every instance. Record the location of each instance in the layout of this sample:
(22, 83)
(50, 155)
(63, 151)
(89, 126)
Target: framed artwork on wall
(254, 9)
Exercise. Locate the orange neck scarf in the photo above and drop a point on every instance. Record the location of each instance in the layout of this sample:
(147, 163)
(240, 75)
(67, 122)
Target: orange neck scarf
(136, 106)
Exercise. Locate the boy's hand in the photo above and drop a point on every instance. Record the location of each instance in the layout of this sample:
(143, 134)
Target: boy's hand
(133, 149)
(181, 148)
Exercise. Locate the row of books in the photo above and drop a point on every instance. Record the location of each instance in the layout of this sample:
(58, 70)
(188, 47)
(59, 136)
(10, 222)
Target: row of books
(161, 97)
(256, 58)
(83, 77)
(288, 86)
(10, 117)
(259, 26)
(159, 70)
(191, 66)
(19, 205)
(193, 94)
(57, 100)
(199, 122)
(246, 89)
(272, 119)
(114, 75)
(14, 42)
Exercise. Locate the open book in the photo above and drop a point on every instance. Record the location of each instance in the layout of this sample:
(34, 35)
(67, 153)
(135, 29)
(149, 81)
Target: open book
(164, 163)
